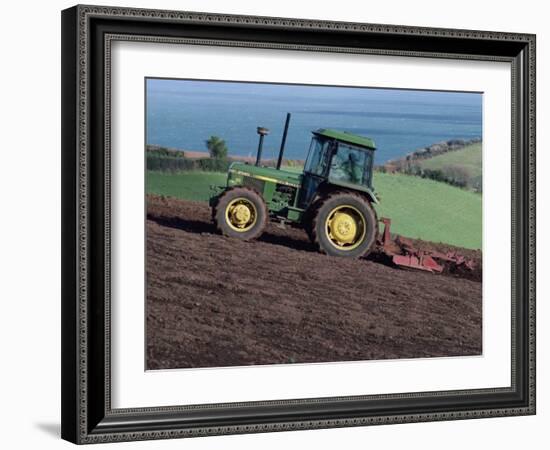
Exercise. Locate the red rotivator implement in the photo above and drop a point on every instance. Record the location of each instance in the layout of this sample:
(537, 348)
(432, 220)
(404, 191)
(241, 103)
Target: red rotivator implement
(402, 253)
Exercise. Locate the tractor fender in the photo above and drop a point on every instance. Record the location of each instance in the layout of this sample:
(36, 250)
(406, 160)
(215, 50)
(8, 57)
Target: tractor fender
(328, 188)
(372, 197)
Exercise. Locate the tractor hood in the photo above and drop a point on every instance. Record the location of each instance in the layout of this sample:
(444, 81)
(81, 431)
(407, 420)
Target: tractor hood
(266, 174)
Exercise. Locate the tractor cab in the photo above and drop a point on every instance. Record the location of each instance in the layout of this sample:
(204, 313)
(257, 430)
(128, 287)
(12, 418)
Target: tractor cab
(338, 158)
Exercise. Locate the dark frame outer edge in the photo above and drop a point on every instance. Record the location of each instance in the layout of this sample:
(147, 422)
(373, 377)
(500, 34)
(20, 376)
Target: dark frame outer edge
(86, 413)
(69, 145)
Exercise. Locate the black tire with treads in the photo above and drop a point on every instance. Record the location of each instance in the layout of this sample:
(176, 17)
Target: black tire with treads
(321, 211)
(219, 212)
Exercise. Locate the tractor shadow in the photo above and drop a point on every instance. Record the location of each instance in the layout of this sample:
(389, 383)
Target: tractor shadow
(200, 227)
(287, 241)
(379, 257)
(189, 225)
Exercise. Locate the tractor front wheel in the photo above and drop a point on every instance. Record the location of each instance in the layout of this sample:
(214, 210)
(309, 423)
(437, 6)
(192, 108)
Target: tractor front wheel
(240, 212)
(344, 224)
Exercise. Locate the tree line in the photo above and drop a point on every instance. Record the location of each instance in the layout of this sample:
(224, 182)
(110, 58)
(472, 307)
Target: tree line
(171, 160)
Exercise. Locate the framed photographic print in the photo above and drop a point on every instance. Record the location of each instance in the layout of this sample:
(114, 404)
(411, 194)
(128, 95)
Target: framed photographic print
(267, 222)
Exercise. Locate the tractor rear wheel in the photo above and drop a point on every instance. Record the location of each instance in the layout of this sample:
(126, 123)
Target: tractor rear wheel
(344, 224)
(240, 212)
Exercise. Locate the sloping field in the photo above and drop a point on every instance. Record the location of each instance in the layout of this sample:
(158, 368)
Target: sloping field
(216, 301)
(419, 208)
(469, 157)
(430, 210)
(185, 185)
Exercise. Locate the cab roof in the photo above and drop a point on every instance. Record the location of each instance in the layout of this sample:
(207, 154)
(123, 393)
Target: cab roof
(349, 138)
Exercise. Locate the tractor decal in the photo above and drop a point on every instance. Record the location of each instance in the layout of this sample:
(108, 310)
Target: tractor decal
(260, 177)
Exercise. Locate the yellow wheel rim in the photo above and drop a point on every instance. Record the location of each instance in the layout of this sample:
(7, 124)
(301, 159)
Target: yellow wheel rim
(345, 227)
(241, 214)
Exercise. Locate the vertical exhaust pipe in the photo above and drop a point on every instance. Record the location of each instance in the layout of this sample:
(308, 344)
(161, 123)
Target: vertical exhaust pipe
(283, 142)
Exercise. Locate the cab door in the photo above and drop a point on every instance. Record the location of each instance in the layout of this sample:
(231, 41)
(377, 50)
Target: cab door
(315, 170)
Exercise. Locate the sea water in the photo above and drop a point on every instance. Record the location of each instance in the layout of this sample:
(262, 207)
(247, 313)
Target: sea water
(185, 113)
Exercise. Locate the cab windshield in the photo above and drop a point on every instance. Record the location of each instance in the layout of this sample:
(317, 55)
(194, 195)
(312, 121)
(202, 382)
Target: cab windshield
(317, 159)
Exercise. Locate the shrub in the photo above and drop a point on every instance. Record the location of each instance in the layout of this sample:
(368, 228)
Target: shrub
(164, 151)
(457, 175)
(217, 147)
(476, 183)
(433, 174)
(212, 165)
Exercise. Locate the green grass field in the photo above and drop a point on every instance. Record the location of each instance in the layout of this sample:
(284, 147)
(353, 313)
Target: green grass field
(187, 185)
(419, 208)
(468, 157)
(430, 210)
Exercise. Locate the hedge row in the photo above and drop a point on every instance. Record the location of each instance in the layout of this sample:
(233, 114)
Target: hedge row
(166, 163)
(164, 151)
(454, 175)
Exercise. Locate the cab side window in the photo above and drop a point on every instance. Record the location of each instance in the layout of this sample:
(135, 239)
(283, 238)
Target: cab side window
(348, 164)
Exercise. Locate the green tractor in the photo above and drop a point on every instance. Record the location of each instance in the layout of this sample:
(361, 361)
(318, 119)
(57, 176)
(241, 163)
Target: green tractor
(332, 199)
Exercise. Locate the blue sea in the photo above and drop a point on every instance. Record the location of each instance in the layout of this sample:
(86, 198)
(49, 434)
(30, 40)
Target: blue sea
(185, 113)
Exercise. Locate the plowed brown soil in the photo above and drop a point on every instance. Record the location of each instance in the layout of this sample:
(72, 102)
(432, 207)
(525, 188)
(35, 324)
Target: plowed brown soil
(214, 301)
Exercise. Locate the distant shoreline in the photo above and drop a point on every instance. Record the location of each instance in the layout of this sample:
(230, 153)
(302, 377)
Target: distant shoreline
(429, 151)
(198, 154)
(390, 165)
